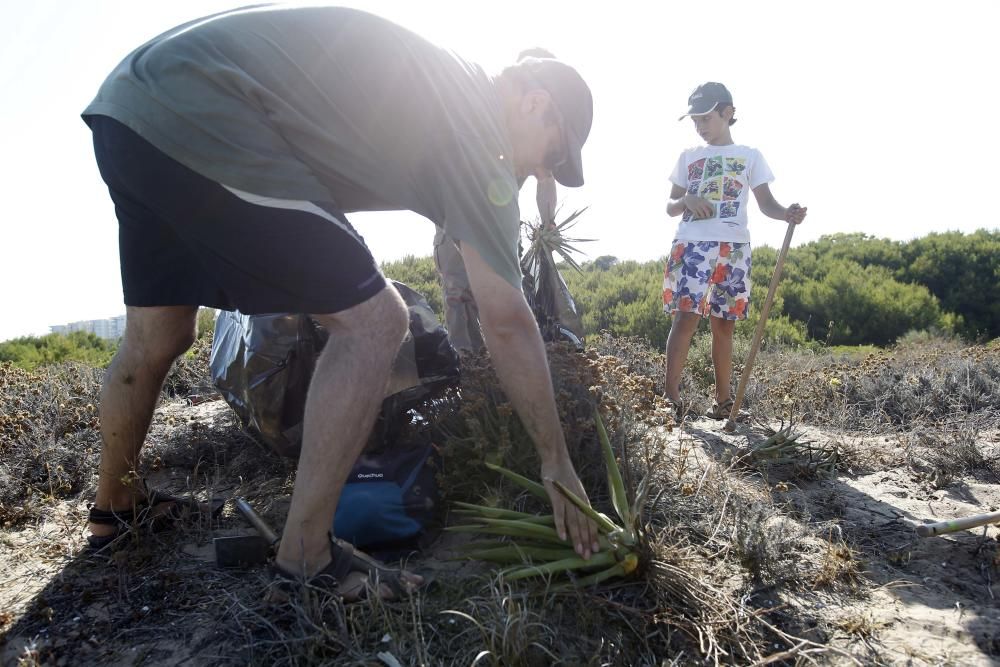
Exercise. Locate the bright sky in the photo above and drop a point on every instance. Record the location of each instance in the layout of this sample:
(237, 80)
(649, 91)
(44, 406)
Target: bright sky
(869, 113)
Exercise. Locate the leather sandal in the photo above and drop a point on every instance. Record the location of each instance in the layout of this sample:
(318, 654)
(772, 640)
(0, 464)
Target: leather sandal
(181, 511)
(345, 560)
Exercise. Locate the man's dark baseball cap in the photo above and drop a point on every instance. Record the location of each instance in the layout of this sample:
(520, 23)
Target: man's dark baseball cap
(706, 97)
(575, 104)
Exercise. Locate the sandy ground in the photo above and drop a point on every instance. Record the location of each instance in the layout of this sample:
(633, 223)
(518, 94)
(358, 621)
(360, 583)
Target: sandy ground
(933, 601)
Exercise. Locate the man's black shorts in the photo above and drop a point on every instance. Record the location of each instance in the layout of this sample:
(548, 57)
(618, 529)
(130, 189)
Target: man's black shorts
(186, 240)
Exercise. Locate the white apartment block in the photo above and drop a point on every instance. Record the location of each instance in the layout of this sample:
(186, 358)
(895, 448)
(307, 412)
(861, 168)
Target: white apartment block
(111, 328)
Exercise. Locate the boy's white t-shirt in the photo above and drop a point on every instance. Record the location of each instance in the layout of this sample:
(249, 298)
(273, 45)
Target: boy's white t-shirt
(724, 175)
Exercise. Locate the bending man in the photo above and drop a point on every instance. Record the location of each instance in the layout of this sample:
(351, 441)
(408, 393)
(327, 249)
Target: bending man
(232, 147)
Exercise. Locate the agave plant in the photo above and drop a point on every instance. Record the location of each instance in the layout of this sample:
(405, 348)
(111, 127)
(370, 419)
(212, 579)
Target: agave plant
(546, 240)
(531, 547)
(786, 446)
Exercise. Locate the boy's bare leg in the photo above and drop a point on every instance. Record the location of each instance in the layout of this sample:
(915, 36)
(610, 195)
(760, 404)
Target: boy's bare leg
(343, 401)
(682, 329)
(722, 357)
(154, 337)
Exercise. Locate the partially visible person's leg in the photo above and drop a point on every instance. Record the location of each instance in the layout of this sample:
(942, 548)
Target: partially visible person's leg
(730, 302)
(460, 309)
(344, 398)
(161, 284)
(154, 337)
(722, 357)
(682, 328)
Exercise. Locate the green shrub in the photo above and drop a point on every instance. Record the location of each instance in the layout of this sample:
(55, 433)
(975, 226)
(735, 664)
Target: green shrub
(853, 305)
(872, 290)
(925, 337)
(31, 352)
(420, 274)
(963, 271)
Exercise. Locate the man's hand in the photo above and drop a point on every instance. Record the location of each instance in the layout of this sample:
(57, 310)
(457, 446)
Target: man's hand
(571, 523)
(545, 197)
(795, 213)
(699, 206)
(518, 355)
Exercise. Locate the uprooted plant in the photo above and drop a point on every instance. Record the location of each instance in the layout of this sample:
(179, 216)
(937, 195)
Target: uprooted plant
(785, 446)
(532, 547)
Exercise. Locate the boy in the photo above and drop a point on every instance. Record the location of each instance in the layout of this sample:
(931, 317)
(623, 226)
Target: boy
(708, 271)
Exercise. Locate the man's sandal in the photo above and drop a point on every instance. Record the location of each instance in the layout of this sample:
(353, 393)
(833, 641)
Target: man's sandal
(141, 515)
(345, 561)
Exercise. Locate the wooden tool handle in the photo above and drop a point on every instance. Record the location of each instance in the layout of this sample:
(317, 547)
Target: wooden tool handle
(250, 515)
(758, 333)
(941, 527)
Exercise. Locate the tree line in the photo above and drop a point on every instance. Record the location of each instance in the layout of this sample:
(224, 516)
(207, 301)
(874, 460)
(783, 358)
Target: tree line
(30, 352)
(842, 289)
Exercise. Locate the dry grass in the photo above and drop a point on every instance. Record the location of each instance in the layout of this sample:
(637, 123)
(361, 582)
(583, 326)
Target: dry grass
(933, 384)
(731, 552)
(841, 566)
(48, 422)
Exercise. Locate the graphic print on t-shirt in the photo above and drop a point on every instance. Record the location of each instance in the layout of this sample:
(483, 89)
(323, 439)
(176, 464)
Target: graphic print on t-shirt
(695, 170)
(711, 189)
(731, 188)
(735, 165)
(717, 179)
(714, 167)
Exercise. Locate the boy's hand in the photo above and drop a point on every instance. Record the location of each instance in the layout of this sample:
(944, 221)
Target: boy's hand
(795, 213)
(699, 206)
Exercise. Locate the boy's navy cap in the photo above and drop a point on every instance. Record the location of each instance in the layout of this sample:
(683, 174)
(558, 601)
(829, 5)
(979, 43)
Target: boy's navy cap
(705, 98)
(576, 105)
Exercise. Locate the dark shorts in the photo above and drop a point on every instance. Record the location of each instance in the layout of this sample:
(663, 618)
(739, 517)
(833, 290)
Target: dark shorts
(186, 240)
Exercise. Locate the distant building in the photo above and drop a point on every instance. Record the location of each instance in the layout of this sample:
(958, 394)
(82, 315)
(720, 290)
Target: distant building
(111, 328)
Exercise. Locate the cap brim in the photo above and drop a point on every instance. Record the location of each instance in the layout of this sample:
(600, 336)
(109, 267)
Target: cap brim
(695, 111)
(570, 172)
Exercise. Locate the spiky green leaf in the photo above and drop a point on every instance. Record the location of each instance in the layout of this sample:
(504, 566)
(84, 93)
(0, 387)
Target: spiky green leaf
(615, 484)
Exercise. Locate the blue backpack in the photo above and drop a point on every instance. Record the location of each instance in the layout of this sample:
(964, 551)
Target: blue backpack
(390, 497)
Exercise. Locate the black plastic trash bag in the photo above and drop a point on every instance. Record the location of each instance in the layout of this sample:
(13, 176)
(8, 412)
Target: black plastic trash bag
(551, 302)
(262, 365)
(543, 285)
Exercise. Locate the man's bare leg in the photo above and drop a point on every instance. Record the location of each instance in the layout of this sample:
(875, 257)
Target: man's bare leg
(154, 337)
(343, 401)
(722, 357)
(678, 343)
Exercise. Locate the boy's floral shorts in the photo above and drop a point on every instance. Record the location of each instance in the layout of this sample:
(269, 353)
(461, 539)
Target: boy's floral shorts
(708, 277)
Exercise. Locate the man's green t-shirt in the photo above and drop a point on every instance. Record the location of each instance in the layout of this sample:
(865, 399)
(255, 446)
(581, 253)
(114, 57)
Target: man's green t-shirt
(328, 105)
